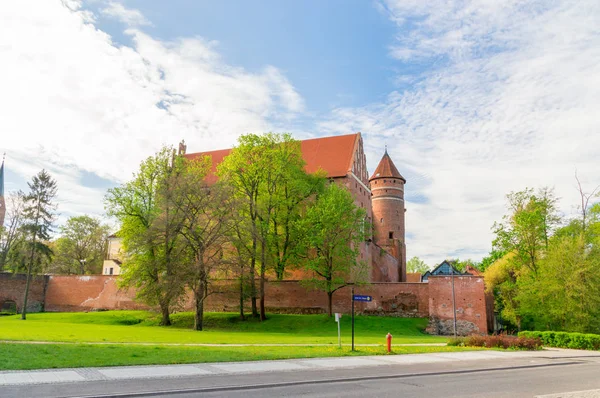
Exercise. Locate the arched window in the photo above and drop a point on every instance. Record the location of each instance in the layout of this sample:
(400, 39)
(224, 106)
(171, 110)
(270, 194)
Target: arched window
(381, 221)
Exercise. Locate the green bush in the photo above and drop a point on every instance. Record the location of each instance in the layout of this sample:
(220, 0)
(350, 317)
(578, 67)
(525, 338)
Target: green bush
(498, 341)
(578, 341)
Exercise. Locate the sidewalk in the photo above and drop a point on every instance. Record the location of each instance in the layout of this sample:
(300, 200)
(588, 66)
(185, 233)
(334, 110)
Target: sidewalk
(233, 368)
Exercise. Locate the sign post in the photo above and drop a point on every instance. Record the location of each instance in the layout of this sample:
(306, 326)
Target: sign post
(357, 297)
(338, 319)
(352, 318)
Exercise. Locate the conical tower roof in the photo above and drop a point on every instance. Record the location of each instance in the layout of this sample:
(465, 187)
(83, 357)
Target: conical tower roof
(386, 169)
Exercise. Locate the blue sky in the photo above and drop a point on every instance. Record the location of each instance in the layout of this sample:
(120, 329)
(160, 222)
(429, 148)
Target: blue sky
(336, 53)
(474, 98)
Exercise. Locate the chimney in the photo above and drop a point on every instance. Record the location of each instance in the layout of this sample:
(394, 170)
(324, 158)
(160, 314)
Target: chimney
(182, 148)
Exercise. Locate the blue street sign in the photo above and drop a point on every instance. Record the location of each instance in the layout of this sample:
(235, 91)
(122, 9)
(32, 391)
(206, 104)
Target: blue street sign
(358, 297)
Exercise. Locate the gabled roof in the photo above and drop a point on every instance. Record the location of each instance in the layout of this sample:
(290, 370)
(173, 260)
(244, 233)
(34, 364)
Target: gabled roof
(334, 155)
(387, 169)
(445, 268)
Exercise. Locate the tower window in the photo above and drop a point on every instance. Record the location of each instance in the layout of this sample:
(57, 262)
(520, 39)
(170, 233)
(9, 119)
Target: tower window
(381, 221)
(391, 235)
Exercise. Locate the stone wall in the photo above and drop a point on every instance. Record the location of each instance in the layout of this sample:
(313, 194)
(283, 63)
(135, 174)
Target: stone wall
(12, 288)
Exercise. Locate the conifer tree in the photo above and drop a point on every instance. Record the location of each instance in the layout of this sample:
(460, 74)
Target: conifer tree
(39, 215)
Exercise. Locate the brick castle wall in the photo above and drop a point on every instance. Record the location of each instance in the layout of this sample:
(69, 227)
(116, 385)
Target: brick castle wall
(12, 288)
(470, 300)
(432, 299)
(82, 293)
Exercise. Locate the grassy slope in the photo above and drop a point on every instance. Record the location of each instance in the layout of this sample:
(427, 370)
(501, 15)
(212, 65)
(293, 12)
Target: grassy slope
(36, 356)
(139, 326)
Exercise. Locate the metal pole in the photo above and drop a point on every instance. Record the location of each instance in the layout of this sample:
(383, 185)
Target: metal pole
(339, 334)
(352, 319)
(453, 300)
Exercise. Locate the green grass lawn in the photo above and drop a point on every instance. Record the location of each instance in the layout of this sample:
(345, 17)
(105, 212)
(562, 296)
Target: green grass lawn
(220, 328)
(78, 333)
(44, 356)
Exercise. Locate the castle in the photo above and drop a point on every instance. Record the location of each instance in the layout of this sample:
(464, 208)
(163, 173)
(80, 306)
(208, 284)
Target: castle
(382, 196)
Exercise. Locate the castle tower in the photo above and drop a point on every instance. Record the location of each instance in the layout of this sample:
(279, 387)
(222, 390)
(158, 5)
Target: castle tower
(387, 190)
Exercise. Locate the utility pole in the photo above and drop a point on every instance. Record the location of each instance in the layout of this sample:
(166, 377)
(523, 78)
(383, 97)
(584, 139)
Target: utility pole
(453, 300)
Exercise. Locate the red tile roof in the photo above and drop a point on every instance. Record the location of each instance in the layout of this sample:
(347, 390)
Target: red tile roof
(332, 154)
(386, 168)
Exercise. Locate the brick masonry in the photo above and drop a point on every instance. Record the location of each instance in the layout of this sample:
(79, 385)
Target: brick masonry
(12, 289)
(432, 299)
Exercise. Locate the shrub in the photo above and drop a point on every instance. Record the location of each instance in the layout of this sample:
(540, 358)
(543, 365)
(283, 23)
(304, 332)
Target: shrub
(566, 340)
(457, 341)
(498, 341)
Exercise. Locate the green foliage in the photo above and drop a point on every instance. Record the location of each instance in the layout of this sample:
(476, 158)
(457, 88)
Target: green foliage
(498, 341)
(38, 218)
(81, 247)
(266, 173)
(150, 227)
(527, 228)
(578, 341)
(12, 236)
(331, 232)
(415, 264)
(549, 277)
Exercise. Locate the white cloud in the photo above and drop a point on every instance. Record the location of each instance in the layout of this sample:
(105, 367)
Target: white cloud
(73, 100)
(511, 101)
(128, 16)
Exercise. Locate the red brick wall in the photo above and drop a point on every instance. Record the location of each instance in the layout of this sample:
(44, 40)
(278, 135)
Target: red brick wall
(407, 299)
(12, 288)
(384, 267)
(470, 299)
(433, 299)
(81, 293)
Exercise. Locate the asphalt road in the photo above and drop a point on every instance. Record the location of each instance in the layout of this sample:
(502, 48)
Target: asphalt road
(527, 377)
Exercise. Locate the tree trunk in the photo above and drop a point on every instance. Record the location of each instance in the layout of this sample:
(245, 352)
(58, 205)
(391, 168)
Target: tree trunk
(24, 309)
(199, 317)
(166, 319)
(263, 315)
(252, 279)
(31, 259)
(242, 316)
(330, 306)
(263, 267)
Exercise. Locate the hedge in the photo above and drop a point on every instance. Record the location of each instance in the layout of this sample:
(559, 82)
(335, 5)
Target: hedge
(580, 341)
(498, 341)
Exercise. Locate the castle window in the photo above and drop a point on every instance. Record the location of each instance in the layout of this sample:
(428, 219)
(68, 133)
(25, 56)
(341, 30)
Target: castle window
(391, 235)
(381, 221)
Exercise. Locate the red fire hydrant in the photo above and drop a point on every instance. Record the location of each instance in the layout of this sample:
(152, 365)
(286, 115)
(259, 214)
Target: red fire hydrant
(389, 342)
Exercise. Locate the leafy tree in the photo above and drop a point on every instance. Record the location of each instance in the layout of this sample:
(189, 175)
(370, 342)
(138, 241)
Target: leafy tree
(207, 220)
(527, 228)
(549, 277)
(267, 175)
(332, 231)
(415, 264)
(38, 217)
(11, 235)
(80, 249)
(150, 228)
(492, 257)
